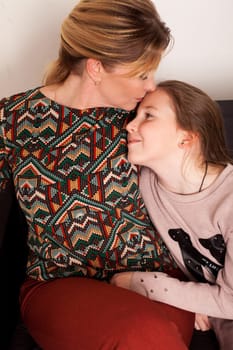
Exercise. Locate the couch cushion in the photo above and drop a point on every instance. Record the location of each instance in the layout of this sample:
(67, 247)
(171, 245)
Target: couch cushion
(227, 111)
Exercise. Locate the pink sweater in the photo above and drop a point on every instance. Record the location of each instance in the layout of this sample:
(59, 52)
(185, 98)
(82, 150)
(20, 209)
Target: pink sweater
(198, 230)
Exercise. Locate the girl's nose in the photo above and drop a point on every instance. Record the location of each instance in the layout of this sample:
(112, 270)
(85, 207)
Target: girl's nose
(131, 126)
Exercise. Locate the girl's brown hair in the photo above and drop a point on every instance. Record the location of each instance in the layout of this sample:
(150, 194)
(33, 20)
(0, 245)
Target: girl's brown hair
(112, 31)
(198, 113)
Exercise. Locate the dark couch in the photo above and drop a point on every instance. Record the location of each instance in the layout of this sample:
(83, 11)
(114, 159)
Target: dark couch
(13, 252)
(227, 111)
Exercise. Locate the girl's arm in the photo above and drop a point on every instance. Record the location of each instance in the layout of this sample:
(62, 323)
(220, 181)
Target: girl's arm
(214, 300)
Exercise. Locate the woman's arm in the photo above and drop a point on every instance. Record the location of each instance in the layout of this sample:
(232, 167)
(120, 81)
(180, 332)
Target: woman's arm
(6, 188)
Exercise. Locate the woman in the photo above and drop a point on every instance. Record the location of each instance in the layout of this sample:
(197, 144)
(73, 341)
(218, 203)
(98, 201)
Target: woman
(177, 136)
(64, 144)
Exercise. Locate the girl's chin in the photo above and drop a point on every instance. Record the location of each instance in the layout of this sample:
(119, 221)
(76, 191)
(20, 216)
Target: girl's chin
(133, 160)
(129, 160)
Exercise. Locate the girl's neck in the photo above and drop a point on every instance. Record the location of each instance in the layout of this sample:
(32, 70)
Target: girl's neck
(189, 179)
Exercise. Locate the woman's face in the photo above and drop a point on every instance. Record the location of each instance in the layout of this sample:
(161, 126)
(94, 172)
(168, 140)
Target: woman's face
(153, 135)
(121, 91)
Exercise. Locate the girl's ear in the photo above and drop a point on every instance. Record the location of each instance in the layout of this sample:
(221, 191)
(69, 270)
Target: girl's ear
(187, 139)
(94, 69)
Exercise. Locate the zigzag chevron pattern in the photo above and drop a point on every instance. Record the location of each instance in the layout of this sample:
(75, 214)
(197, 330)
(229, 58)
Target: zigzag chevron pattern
(77, 190)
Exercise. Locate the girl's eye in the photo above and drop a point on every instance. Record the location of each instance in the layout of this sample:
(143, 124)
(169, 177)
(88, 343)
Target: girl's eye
(148, 115)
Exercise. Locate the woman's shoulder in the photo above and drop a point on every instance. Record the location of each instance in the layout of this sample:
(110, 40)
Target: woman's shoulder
(17, 100)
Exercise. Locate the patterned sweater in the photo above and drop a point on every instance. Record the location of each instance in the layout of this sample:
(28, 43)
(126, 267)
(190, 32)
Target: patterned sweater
(198, 230)
(78, 192)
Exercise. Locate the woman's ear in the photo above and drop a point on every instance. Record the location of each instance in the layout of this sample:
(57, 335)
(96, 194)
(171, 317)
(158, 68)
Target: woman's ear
(94, 69)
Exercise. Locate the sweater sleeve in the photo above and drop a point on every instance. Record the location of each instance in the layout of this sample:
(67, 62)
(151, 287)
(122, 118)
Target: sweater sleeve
(212, 300)
(6, 189)
(5, 173)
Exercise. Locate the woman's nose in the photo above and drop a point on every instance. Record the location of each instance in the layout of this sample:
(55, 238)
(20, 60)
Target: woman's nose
(150, 84)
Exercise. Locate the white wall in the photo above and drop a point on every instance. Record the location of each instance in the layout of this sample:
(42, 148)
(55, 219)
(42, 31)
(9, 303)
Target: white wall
(202, 53)
(203, 50)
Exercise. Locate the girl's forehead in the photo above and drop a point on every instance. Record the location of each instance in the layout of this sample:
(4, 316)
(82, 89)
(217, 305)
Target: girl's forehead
(155, 98)
(159, 102)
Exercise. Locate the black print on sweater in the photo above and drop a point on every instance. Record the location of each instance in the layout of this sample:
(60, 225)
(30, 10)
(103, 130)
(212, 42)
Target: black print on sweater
(216, 247)
(193, 259)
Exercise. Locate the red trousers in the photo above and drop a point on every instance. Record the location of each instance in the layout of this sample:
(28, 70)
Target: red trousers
(84, 314)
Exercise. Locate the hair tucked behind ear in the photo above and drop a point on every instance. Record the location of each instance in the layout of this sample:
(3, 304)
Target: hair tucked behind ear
(197, 112)
(112, 31)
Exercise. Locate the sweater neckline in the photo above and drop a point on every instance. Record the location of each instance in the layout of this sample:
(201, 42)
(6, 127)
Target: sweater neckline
(39, 94)
(194, 197)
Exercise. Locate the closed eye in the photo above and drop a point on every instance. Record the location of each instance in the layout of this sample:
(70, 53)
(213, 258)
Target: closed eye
(143, 76)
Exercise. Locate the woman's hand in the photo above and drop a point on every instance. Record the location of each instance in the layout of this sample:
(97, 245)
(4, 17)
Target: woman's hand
(202, 322)
(122, 279)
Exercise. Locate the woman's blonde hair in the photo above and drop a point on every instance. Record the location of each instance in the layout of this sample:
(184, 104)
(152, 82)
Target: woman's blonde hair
(112, 31)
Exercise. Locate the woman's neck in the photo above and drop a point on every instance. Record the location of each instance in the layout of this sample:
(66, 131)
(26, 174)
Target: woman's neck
(75, 92)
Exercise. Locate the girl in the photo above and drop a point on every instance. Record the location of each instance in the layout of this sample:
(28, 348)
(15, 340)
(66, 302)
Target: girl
(186, 182)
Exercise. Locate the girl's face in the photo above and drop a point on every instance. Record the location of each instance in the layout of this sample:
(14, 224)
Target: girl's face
(121, 91)
(153, 135)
